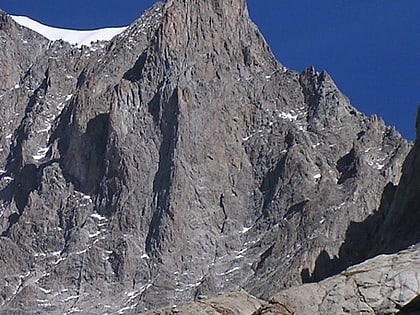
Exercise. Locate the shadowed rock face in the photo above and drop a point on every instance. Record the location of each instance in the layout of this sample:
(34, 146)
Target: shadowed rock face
(401, 226)
(179, 160)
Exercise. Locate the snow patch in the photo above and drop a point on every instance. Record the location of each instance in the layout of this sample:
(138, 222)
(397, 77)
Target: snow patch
(288, 116)
(46, 291)
(240, 253)
(46, 129)
(74, 309)
(59, 260)
(60, 106)
(122, 310)
(247, 138)
(193, 285)
(379, 166)
(246, 229)
(40, 154)
(376, 164)
(73, 37)
(229, 271)
(73, 297)
(94, 234)
(98, 217)
(132, 294)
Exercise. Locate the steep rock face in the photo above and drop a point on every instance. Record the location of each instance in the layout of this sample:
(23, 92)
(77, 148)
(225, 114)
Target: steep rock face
(20, 48)
(177, 161)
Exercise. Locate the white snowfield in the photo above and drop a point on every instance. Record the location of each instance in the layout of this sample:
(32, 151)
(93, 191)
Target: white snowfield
(74, 37)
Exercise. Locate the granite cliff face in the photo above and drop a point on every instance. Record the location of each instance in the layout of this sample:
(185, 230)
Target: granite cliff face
(179, 161)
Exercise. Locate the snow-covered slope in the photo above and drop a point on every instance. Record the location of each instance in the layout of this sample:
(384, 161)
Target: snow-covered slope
(74, 37)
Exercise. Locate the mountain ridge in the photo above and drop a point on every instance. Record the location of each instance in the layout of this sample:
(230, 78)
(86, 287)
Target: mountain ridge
(175, 162)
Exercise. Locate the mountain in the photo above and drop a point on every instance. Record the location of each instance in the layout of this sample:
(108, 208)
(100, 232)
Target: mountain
(73, 37)
(179, 161)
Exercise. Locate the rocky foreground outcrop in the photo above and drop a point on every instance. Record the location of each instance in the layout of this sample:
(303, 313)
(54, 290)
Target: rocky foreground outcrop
(179, 161)
(386, 284)
(229, 303)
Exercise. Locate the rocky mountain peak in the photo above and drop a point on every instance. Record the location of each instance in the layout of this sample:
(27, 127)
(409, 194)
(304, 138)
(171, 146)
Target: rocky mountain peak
(177, 161)
(5, 19)
(225, 9)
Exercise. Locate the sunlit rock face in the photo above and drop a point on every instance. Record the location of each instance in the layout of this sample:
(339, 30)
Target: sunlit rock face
(178, 161)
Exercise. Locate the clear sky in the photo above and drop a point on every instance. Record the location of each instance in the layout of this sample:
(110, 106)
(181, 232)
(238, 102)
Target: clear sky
(370, 47)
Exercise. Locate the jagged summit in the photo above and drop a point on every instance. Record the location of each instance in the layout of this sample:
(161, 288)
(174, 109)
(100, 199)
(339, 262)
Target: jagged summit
(175, 162)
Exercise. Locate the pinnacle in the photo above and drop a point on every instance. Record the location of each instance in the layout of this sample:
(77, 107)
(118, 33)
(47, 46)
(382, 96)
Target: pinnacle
(227, 8)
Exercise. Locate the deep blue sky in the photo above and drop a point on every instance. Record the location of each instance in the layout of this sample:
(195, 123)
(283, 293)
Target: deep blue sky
(370, 47)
